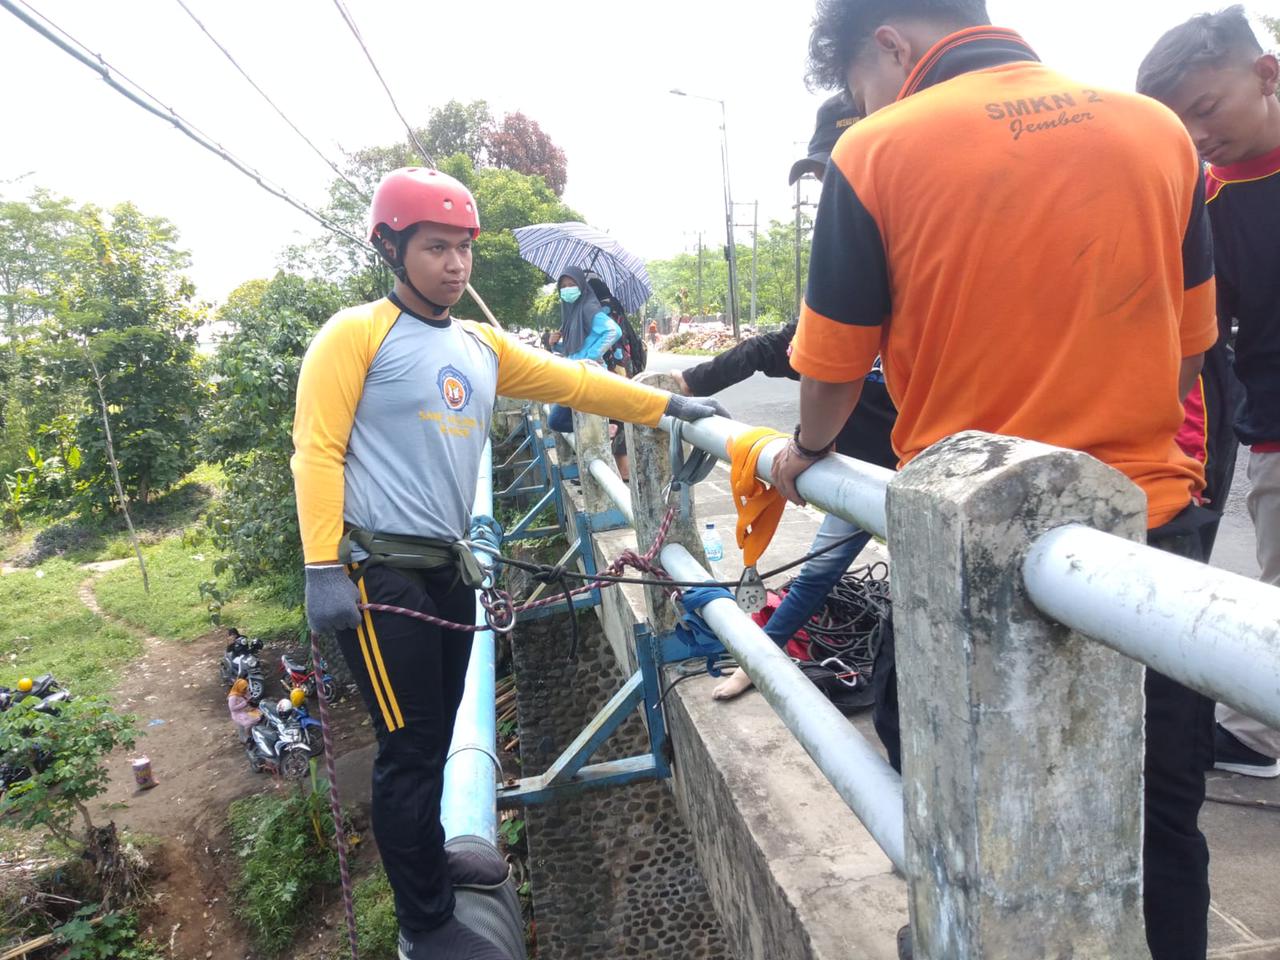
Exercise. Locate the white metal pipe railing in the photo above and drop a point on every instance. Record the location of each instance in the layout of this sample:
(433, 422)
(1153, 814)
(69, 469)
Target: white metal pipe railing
(862, 778)
(469, 802)
(1215, 631)
(1211, 630)
(854, 768)
(850, 489)
(614, 488)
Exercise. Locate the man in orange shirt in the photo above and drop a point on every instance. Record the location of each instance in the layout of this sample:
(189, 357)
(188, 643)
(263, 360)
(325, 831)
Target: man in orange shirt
(1084, 245)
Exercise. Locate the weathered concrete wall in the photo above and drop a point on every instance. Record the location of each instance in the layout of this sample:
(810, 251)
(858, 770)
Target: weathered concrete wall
(792, 873)
(614, 873)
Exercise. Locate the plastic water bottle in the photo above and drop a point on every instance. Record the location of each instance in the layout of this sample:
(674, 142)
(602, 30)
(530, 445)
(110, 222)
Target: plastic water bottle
(712, 545)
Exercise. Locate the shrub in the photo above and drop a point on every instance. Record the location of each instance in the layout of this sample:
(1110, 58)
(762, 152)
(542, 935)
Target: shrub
(282, 862)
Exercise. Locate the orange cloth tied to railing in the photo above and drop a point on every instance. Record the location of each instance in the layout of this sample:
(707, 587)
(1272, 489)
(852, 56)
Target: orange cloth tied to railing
(759, 505)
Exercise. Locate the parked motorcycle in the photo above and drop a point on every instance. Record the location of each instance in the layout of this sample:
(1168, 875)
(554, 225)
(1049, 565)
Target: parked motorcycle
(278, 742)
(310, 730)
(299, 674)
(41, 687)
(240, 659)
(15, 769)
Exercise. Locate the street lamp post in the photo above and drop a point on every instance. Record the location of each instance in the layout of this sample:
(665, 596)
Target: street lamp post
(731, 250)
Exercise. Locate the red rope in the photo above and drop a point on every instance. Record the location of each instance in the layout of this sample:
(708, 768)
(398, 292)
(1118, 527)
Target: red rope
(500, 602)
(335, 807)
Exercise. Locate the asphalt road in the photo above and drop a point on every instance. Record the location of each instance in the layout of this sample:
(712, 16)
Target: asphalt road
(770, 402)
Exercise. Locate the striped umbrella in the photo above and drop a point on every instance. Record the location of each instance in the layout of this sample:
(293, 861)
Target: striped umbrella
(553, 246)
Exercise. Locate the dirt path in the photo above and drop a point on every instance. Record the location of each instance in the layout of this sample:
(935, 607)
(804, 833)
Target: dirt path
(200, 767)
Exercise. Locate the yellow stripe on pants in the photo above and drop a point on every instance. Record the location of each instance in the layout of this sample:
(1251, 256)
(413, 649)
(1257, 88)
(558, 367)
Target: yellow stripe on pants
(372, 637)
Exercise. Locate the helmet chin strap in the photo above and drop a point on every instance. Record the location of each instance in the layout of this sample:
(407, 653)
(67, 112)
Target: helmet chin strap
(402, 275)
(399, 271)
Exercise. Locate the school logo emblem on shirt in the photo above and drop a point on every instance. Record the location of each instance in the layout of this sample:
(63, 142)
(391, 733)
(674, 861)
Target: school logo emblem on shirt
(455, 388)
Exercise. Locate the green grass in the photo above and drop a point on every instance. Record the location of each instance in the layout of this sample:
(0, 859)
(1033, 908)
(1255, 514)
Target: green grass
(376, 926)
(44, 628)
(280, 862)
(106, 537)
(174, 608)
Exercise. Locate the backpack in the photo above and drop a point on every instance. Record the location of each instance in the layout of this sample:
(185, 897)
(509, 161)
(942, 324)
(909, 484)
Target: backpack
(635, 353)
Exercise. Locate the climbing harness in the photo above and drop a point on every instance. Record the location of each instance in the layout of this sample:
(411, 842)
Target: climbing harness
(404, 552)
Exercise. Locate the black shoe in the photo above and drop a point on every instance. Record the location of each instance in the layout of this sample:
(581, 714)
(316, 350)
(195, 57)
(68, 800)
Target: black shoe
(451, 940)
(1231, 755)
(905, 950)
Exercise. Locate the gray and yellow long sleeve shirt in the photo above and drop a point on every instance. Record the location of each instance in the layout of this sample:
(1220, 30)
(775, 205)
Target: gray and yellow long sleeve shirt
(393, 412)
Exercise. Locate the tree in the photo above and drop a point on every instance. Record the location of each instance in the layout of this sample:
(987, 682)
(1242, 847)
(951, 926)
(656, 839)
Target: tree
(34, 236)
(1273, 24)
(124, 307)
(675, 281)
(506, 199)
(458, 127)
(776, 269)
(85, 288)
(63, 758)
(248, 430)
(520, 144)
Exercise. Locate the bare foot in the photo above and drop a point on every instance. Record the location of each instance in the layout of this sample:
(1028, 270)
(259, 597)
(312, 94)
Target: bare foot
(734, 684)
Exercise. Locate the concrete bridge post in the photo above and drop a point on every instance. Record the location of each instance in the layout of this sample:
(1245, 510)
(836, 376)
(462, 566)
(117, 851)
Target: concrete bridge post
(1021, 740)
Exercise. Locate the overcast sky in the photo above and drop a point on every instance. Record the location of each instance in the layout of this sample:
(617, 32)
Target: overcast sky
(643, 164)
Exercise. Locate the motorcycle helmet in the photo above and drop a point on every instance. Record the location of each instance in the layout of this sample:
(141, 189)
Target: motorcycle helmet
(284, 707)
(25, 684)
(297, 696)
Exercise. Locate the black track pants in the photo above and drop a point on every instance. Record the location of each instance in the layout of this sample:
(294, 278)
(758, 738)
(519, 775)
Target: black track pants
(411, 676)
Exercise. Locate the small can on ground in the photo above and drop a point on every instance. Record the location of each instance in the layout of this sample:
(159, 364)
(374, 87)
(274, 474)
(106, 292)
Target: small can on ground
(142, 775)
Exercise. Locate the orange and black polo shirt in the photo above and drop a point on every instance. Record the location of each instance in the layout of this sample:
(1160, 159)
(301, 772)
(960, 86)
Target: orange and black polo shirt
(1244, 207)
(1029, 254)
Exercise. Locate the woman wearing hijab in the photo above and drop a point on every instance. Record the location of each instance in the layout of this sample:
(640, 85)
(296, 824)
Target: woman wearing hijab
(587, 332)
(242, 711)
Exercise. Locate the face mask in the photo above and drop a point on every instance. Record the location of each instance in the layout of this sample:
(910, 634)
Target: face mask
(570, 294)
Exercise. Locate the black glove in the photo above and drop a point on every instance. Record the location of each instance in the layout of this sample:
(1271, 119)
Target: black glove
(695, 408)
(331, 599)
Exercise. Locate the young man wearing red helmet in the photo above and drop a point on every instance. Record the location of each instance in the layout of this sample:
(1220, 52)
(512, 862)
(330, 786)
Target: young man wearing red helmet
(393, 409)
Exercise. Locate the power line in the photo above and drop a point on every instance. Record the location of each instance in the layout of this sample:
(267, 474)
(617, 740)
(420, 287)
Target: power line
(153, 105)
(413, 136)
(292, 126)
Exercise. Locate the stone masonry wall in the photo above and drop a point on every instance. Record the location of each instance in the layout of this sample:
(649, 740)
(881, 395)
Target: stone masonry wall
(613, 871)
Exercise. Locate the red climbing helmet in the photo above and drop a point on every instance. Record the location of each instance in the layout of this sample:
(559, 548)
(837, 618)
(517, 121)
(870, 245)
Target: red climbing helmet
(416, 195)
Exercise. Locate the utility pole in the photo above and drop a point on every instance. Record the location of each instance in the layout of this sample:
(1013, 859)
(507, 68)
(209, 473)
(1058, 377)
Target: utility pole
(801, 203)
(702, 309)
(731, 248)
(755, 232)
(728, 209)
(799, 295)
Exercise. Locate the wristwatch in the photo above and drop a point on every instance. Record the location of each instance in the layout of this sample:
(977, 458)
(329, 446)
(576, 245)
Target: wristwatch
(805, 451)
